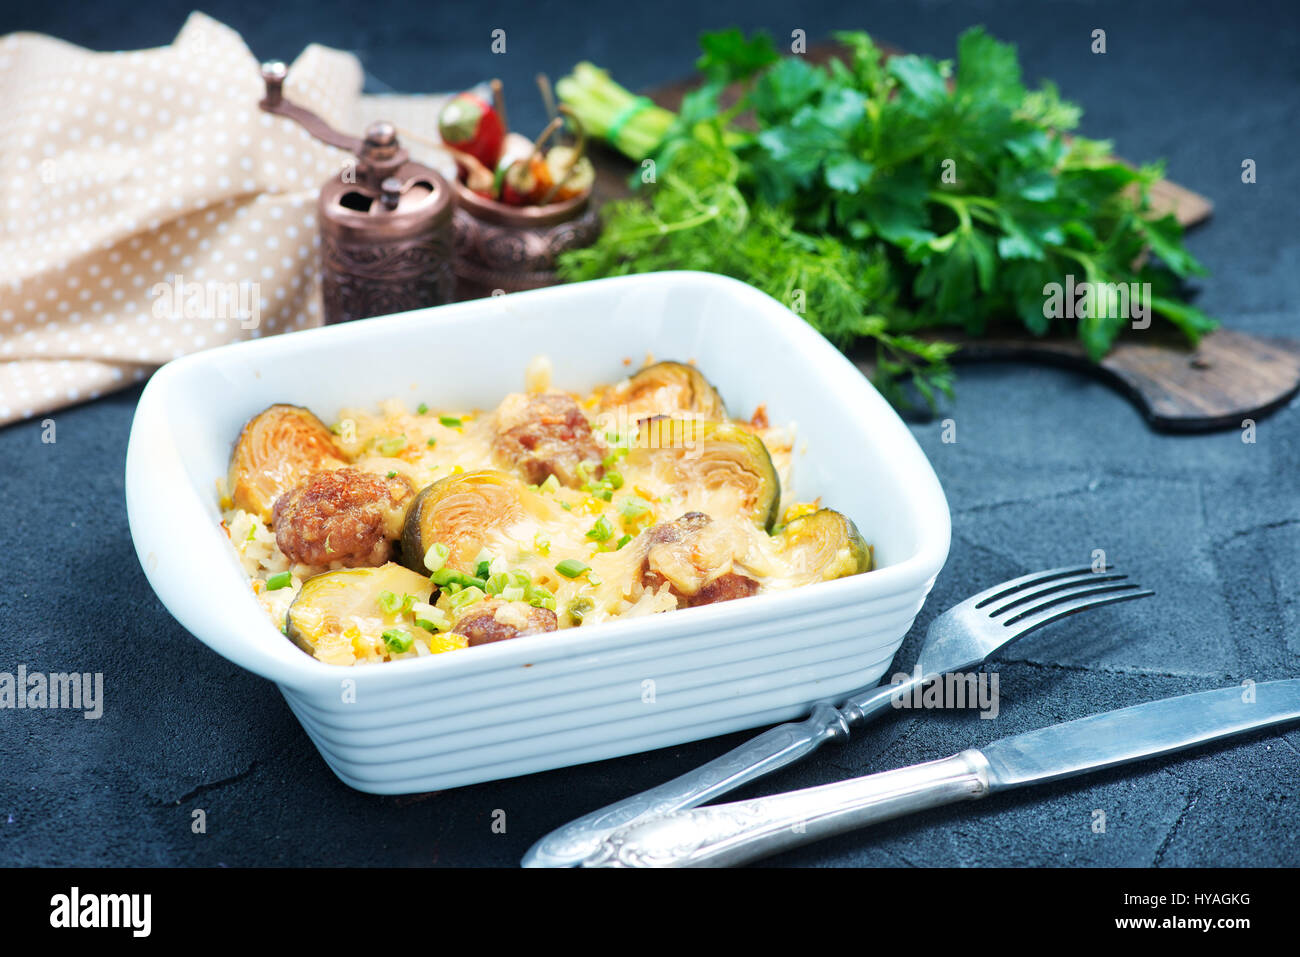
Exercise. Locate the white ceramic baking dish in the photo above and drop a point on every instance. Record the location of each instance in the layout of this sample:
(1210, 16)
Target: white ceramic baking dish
(548, 701)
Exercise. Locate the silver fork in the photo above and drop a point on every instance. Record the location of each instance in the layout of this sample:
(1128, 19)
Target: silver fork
(963, 637)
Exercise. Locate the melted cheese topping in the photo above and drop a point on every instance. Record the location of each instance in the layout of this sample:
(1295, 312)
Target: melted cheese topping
(598, 526)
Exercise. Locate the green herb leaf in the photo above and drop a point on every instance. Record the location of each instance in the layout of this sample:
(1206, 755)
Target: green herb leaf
(880, 198)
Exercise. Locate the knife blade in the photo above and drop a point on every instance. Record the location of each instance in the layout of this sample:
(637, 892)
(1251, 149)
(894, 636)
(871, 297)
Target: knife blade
(747, 830)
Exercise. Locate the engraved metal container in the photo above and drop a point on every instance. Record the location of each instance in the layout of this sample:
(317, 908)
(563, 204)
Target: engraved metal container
(512, 248)
(385, 223)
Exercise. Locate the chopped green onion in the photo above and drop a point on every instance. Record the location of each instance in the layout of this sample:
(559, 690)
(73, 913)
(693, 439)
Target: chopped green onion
(600, 531)
(541, 544)
(483, 569)
(436, 556)
(566, 506)
(398, 639)
(513, 593)
(422, 408)
(622, 541)
(579, 607)
(614, 479)
(551, 484)
(633, 507)
(278, 581)
(430, 618)
(252, 532)
(389, 602)
(496, 584)
(391, 475)
(467, 596)
(541, 597)
(432, 442)
(572, 568)
(450, 421)
(446, 577)
(392, 446)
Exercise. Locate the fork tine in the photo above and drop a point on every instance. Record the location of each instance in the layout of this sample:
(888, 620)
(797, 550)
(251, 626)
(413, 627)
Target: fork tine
(1055, 610)
(1029, 594)
(1034, 578)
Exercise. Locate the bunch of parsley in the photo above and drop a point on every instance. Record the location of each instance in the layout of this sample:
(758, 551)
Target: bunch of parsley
(880, 197)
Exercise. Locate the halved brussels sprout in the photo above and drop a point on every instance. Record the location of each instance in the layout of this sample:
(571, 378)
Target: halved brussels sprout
(276, 450)
(321, 619)
(455, 512)
(825, 545)
(711, 456)
(667, 388)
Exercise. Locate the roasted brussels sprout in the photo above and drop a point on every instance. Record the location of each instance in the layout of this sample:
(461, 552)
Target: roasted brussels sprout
(825, 545)
(456, 512)
(346, 515)
(543, 435)
(666, 388)
(322, 618)
(276, 450)
(489, 621)
(711, 456)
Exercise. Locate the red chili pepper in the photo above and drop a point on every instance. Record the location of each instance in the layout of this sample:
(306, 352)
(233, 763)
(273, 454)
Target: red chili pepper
(526, 181)
(469, 124)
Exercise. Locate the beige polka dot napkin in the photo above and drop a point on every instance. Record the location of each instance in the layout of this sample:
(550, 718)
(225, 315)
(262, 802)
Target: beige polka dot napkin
(151, 209)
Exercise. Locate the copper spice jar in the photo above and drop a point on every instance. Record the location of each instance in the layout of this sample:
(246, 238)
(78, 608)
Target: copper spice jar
(512, 248)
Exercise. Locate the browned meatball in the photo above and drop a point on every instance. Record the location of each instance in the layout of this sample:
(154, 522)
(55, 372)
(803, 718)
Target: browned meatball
(500, 621)
(544, 435)
(346, 515)
(678, 530)
(686, 553)
(724, 588)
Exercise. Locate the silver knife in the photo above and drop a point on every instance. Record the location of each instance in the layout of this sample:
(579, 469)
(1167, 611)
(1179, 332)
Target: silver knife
(728, 834)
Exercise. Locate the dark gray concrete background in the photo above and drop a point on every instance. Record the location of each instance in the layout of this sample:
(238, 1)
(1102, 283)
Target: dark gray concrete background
(1048, 466)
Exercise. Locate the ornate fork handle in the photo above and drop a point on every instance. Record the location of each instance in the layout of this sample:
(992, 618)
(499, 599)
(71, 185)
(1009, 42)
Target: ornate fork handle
(773, 749)
(729, 834)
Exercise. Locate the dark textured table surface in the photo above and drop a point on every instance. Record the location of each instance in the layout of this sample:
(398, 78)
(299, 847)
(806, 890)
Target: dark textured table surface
(1048, 466)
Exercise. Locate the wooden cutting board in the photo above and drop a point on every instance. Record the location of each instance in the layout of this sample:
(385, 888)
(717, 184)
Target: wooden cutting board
(1229, 377)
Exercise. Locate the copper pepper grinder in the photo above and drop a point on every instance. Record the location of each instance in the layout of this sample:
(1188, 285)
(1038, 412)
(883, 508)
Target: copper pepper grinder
(385, 225)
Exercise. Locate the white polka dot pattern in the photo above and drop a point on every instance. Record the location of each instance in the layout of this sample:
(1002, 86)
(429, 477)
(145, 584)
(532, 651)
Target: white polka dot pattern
(151, 209)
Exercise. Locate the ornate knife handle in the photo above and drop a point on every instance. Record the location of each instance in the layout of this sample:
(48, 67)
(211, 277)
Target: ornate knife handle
(727, 834)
